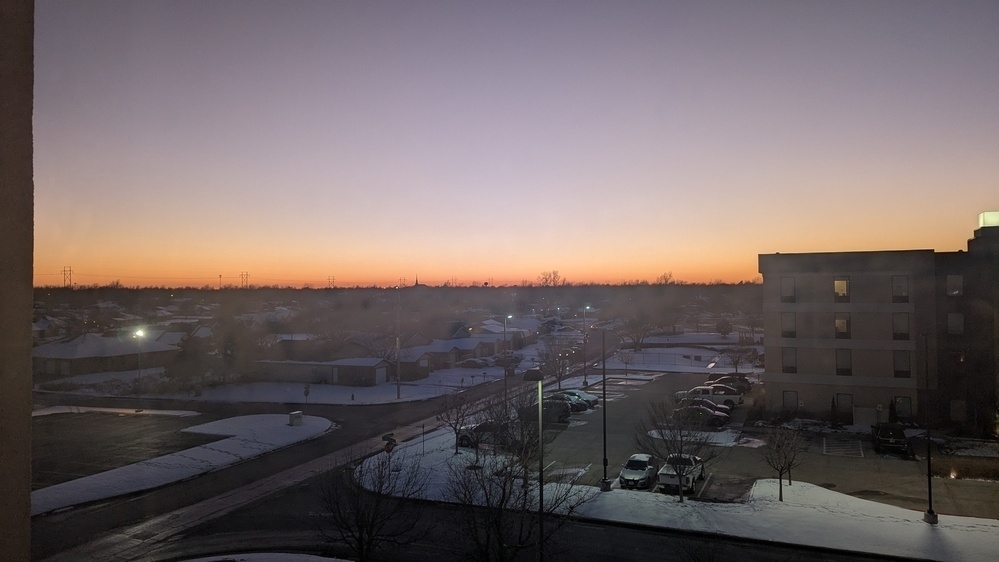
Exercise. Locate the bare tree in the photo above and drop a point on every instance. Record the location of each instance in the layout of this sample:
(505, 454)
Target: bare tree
(555, 352)
(499, 498)
(454, 411)
(665, 279)
(626, 358)
(739, 355)
(637, 328)
(671, 433)
(782, 453)
(551, 279)
(723, 327)
(368, 505)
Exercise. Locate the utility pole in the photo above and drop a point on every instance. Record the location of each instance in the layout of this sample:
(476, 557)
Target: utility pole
(330, 281)
(67, 276)
(245, 279)
(398, 363)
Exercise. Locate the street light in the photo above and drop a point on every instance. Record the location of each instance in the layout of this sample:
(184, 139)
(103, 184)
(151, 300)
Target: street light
(585, 308)
(930, 516)
(530, 376)
(506, 358)
(605, 484)
(138, 335)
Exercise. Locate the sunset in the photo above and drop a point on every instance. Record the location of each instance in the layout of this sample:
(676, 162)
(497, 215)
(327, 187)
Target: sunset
(377, 143)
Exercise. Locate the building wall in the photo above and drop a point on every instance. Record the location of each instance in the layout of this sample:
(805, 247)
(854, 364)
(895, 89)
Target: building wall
(890, 303)
(16, 200)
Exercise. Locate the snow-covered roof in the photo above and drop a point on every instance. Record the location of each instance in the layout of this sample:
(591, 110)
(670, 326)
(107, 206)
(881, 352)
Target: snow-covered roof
(93, 345)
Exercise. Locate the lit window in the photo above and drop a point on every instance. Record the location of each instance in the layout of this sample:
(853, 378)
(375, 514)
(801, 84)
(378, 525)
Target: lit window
(955, 285)
(900, 326)
(787, 289)
(902, 361)
(899, 288)
(842, 324)
(787, 325)
(841, 289)
(789, 360)
(844, 362)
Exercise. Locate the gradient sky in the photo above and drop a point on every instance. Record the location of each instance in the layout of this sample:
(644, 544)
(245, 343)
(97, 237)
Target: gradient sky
(176, 141)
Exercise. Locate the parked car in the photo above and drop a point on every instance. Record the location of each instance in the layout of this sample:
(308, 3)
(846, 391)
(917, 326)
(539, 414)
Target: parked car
(719, 393)
(739, 383)
(554, 411)
(575, 404)
(890, 437)
(699, 416)
(638, 472)
(494, 432)
(669, 476)
(709, 404)
(590, 399)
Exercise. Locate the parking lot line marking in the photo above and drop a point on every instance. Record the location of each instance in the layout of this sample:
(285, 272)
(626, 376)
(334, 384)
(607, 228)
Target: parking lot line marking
(840, 446)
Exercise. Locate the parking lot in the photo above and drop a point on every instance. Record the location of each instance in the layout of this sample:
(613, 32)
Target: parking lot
(842, 462)
(72, 445)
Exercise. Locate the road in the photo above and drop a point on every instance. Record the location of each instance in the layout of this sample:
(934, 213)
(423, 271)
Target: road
(577, 444)
(59, 532)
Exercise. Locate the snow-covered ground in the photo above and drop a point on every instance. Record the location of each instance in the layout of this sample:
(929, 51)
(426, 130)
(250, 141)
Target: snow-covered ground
(809, 515)
(248, 437)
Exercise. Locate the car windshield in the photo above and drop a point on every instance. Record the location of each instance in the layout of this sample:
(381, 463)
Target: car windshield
(636, 464)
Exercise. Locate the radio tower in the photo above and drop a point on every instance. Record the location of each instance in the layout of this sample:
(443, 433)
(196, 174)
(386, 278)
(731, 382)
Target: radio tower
(67, 276)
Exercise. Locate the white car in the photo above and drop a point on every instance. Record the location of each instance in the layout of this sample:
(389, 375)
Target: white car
(638, 472)
(719, 393)
(680, 469)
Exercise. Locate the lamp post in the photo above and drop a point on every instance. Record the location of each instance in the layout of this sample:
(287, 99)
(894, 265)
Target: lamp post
(930, 516)
(506, 358)
(605, 484)
(138, 335)
(530, 376)
(585, 308)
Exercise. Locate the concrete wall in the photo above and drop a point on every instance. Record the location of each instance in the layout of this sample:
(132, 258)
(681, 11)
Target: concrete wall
(16, 232)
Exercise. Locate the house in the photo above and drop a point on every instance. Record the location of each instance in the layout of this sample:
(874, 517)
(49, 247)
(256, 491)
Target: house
(93, 353)
(872, 334)
(361, 371)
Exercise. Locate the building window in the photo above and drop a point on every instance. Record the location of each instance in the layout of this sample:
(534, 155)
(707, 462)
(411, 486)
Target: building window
(903, 407)
(841, 289)
(902, 361)
(842, 324)
(900, 326)
(787, 293)
(790, 400)
(955, 285)
(899, 288)
(789, 359)
(787, 325)
(844, 362)
(955, 323)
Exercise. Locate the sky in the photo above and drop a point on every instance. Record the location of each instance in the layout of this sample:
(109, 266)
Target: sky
(186, 143)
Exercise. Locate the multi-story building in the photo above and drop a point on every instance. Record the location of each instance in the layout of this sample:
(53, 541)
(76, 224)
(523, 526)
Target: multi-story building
(869, 335)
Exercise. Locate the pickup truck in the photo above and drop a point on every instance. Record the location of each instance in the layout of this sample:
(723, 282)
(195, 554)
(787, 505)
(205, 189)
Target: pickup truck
(720, 394)
(690, 466)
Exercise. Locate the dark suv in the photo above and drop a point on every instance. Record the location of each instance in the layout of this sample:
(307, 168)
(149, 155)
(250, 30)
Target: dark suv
(890, 437)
